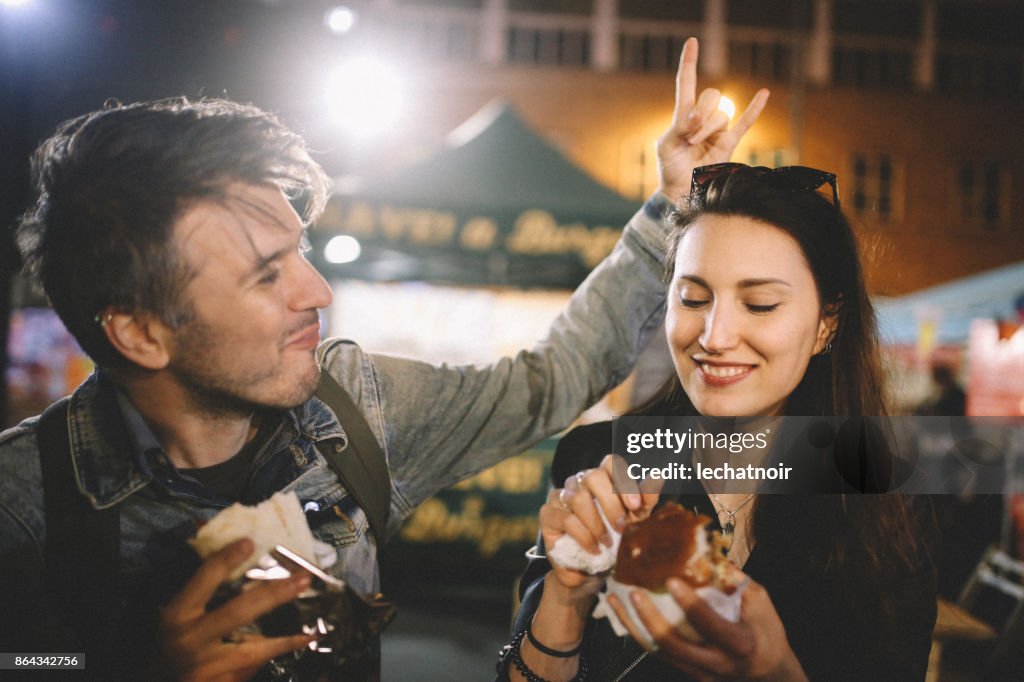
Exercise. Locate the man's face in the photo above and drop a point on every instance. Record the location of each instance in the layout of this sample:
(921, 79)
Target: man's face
(252, 339)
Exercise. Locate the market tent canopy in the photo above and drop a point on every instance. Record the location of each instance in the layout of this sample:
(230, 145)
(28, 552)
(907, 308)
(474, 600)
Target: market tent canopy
(498, 205)
(947, 309)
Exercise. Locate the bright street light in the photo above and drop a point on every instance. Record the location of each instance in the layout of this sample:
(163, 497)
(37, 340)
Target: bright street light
(342, 249)
(340, 19)
(365, 96)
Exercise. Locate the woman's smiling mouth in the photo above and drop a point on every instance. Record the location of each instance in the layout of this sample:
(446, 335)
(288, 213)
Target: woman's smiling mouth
(722, 374)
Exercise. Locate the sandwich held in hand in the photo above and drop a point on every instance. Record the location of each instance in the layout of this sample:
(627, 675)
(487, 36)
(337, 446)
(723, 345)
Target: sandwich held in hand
(672, 543)
(346, 622)
(277, 521)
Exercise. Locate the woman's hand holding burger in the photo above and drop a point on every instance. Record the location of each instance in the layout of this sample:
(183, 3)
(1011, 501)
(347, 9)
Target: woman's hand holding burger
(754, 648)
(573, 511)
(569, 595)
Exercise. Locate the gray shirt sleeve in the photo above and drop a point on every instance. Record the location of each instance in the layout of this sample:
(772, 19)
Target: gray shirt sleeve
(441, 424)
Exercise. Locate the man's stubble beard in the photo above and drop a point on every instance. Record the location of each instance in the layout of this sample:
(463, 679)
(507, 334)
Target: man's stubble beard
(213, 392)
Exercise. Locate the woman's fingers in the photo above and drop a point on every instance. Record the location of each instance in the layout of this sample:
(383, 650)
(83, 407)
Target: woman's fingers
(707, 104)
(730, 636)
(751, 113)
(625, 488)
(706, 119)
(686, 82)
(638, 498)
(576, 508)
(557, 519)
(638, 636)
(717, 121)
(556, 522)
(629, 623)
(596, 485)
(575, 481)
(706, 656)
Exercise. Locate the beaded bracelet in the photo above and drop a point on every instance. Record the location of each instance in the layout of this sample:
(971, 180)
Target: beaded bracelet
(530, 676)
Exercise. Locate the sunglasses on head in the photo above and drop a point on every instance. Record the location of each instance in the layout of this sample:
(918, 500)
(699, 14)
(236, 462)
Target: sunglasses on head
(787, 178)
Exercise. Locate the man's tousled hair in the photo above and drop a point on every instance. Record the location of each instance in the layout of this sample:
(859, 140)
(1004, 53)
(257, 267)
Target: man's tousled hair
(111, 185)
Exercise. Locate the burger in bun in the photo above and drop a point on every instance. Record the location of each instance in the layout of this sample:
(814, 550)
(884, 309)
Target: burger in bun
(672, 543)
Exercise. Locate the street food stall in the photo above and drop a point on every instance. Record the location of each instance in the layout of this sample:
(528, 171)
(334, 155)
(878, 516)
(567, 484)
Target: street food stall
(464, 257)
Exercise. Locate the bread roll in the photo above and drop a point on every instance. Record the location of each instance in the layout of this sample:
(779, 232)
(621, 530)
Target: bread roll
(273, 522)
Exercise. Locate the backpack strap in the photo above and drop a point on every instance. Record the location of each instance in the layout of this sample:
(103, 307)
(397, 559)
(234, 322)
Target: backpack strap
(361, 466)
(82, 548)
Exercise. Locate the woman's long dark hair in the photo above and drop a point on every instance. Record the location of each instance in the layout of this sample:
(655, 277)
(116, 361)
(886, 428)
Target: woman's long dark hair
(873, 531)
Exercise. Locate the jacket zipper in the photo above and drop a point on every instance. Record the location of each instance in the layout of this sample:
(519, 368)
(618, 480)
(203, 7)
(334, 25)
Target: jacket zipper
(630, 667)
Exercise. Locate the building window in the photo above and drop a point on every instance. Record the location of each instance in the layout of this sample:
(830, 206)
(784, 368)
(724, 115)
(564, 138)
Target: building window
(649, 52)
(870, 68)
(982, 191)
(875, 192)
(548, 46)
(763, 59)
(436, 40)
(995, 74)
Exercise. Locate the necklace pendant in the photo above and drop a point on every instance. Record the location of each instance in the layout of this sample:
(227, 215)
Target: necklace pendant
(728, 527)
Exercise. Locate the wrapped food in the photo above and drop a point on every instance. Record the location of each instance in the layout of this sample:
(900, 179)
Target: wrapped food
(273, 522)
(347, 623)
(672, 543)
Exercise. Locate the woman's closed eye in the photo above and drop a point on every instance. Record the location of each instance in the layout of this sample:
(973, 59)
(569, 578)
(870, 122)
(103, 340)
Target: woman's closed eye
(761, 308)
(692, 303)
(693, 296)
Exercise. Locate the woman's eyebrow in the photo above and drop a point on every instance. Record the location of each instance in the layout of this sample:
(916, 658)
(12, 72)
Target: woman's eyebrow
(742, 284)
(748, 283)
(695, 279)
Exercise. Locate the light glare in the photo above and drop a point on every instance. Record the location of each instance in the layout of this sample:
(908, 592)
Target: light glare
(365, 96)
(340, 19)
(727, 106)
(14, 3)
(342, 249)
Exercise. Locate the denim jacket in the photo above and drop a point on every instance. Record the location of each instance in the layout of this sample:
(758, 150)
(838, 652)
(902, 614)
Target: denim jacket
(436, 425)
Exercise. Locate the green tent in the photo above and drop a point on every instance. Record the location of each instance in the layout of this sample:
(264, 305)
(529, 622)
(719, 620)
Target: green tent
(498, 205)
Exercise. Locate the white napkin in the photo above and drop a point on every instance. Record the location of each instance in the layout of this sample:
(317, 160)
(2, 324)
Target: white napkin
(726, 605)
(568, 553)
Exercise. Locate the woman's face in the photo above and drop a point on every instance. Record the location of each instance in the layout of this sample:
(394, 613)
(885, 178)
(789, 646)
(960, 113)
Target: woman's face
(743, 318)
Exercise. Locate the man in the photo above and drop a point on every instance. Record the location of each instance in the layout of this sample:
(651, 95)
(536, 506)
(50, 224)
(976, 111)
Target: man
(165, 240)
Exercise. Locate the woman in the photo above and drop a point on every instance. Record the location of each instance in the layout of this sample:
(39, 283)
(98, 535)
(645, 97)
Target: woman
(768, 315)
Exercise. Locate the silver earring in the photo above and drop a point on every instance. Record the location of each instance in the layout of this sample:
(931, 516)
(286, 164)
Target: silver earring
(827, 349)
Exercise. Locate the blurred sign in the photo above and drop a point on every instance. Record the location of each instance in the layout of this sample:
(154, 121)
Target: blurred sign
(476, 531)
(527, 248)
(995, 379)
